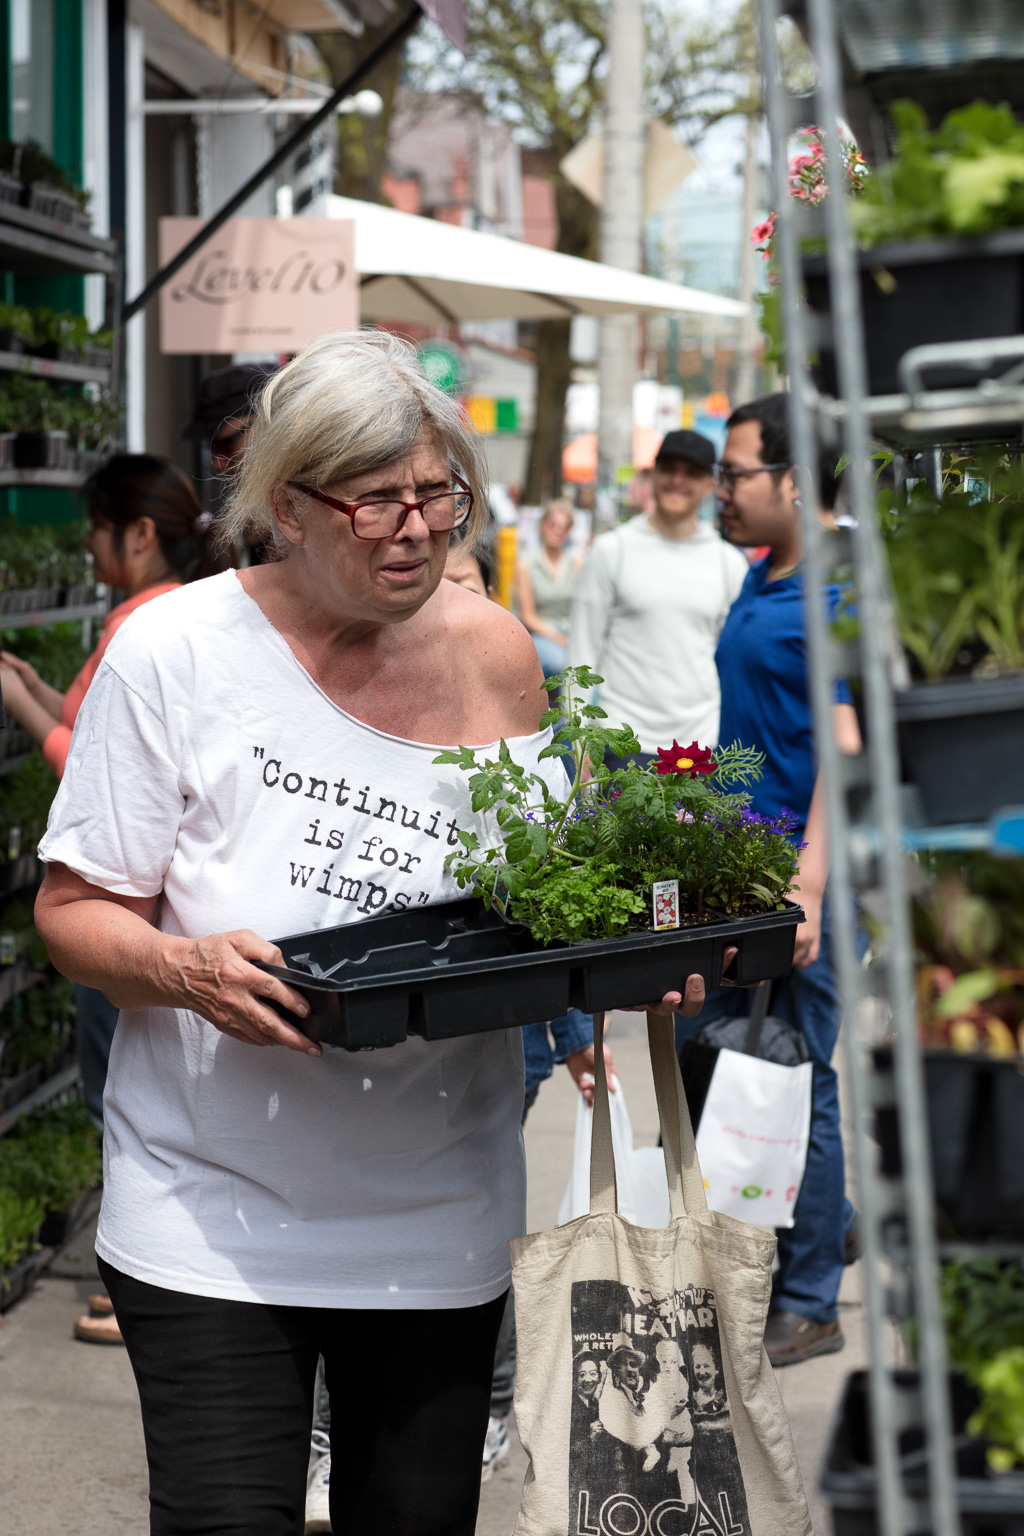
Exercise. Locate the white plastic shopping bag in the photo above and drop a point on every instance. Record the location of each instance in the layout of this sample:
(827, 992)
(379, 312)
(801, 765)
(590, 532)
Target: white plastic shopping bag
(643, 1187)
(752, 1137)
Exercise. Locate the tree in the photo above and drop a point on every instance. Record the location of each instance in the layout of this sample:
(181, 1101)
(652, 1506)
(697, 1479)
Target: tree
(539, 65)
(362, 141)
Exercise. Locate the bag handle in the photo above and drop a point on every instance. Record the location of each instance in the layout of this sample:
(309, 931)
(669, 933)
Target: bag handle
(685, 1181)
(758, 1013)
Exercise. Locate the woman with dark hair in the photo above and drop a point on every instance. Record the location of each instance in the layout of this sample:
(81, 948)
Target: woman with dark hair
(147, 536)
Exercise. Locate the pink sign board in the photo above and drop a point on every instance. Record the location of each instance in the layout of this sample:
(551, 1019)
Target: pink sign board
(259, 285)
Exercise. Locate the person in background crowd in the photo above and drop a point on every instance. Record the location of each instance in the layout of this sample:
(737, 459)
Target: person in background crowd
(224, 411)
(650, 604)
(147, 536)
(546, 581)
(641, 493)
(762, 661)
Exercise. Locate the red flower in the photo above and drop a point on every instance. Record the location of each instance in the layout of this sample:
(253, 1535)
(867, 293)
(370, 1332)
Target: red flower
(687, 762)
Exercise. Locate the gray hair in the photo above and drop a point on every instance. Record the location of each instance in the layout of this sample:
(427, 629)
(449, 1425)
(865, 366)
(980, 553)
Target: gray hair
(349, 402)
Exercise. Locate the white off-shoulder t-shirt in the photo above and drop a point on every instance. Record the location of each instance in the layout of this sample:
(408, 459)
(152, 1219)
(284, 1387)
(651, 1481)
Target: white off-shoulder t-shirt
(207, 765)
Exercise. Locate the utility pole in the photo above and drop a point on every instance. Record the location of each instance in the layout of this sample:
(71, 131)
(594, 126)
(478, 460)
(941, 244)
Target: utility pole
(748, 337)
(621, 229)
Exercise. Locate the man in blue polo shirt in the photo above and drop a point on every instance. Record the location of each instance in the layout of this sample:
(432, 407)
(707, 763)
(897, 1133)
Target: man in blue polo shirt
(762, 664)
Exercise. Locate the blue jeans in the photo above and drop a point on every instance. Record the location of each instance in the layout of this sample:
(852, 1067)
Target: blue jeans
(812, 1250)
(96, 1020)
(641, 759)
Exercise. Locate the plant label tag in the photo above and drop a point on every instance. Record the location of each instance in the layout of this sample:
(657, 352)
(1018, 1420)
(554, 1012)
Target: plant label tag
(500, 895)
(665, 898)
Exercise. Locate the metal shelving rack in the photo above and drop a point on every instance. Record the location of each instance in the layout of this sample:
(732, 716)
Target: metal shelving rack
(868, 848)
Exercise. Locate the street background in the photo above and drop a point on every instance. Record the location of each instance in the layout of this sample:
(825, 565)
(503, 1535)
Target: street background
(69, 1418)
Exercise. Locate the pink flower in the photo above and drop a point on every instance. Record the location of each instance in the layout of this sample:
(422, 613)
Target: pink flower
(764, 232)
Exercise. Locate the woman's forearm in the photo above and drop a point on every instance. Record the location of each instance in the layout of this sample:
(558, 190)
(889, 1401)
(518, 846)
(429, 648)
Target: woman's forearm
(51, 699)
(29, 714)
(107, 946)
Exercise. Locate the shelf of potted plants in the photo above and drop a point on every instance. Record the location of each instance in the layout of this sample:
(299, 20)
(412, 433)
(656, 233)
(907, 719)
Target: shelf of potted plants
(914, 259)
(30, 241)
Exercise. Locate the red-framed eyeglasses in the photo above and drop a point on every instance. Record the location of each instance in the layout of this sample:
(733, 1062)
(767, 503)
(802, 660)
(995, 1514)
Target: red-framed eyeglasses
(371, 520)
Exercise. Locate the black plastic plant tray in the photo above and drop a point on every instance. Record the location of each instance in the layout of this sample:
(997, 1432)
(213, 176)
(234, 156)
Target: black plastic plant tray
(976, 1135)
(21, 1277)
(990, 1503)
(962, 742)
(917, 292)
(457, 969)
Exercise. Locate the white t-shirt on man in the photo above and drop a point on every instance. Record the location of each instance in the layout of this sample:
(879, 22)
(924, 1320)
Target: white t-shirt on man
(208, 766)
(646, 616)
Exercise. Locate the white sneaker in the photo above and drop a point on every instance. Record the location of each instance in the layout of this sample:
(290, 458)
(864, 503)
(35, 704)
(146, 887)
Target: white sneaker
(496, 1447)
(318, 1487)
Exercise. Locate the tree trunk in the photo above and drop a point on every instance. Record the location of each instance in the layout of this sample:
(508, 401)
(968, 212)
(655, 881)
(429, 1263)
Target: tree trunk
(362, 141)
(577, 236)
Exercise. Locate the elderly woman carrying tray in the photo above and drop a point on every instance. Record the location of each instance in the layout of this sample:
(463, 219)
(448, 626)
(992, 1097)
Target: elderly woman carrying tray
(256, 756)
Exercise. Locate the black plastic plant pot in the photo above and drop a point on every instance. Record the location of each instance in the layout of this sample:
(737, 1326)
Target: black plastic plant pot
(990, 1503)
(40, 450)
(14, 1282)
(60, 1226)
(976, 1134)
(918, 292)
(11, 341)
(962, 741)
(457, 969)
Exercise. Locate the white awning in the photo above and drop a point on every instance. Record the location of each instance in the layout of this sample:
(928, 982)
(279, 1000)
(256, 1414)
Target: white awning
(428, 272)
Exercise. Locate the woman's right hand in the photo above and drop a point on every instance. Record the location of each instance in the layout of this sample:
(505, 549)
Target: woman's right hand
(24, 670)
(215, 977)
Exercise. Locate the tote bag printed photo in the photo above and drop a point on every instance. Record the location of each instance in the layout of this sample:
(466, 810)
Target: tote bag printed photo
(644, 1398)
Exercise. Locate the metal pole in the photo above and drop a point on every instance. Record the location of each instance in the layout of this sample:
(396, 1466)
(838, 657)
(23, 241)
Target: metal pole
(875, 629)
(621, 228)
(892, 1513)
(284, 152)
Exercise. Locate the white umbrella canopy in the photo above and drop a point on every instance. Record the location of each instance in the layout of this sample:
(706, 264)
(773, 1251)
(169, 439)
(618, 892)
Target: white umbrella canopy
(432, 273)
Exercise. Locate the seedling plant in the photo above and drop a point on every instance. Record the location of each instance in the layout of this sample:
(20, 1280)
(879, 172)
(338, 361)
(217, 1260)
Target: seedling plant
(581, 865)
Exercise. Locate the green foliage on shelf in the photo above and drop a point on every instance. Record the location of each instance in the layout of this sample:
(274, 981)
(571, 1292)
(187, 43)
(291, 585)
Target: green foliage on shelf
(19, 1219)
(964, 178)
(90, 416)
(31, 163)
(37, 1024)
(957, 568)
(50, 1157)
(983, 1305)
(581, 865)
(44, 555)
(18, 318)
(25, 799)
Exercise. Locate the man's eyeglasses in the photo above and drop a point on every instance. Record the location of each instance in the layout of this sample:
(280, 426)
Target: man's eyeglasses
(728, 477)
(371, 520)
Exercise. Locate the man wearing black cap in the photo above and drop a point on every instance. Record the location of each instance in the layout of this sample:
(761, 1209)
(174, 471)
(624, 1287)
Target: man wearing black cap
(224, 410)
(651, 601)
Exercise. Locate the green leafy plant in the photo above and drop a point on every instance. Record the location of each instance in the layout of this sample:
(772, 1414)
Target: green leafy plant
(957, 568)
(983, 1306)
(19, 1219)
(969, 943)
(50, 1157)
(16, 317)
(965, 177)
(580, 865)
(31, 163)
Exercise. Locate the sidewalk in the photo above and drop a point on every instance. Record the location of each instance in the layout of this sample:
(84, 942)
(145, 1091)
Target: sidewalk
(73, 1455)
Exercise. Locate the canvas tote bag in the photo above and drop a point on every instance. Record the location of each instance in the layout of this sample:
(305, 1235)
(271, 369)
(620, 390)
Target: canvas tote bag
(644, 1398)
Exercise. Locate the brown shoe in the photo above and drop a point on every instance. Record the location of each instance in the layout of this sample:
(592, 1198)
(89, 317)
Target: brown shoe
(98, 1330)
(790, 1338)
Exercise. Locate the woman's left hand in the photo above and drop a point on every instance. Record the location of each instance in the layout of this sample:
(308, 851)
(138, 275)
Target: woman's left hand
(688, 1002)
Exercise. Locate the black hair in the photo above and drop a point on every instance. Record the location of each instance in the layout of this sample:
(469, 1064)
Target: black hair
(772, 413)
(483, 552)
(134, 485)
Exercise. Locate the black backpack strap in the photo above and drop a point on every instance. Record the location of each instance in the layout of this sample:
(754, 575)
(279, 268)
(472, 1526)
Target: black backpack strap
(758, 1014)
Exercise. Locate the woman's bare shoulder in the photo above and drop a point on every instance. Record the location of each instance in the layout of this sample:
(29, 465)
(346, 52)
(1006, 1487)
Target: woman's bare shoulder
(498, 653)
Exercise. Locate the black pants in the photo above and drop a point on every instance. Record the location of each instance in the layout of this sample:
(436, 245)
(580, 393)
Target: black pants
(227, 1397)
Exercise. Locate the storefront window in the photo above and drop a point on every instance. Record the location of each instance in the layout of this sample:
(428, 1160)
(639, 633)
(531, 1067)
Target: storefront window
(32, 33)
